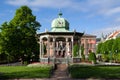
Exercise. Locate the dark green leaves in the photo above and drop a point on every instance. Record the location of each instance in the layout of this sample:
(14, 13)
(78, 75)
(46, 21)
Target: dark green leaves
(18, 36)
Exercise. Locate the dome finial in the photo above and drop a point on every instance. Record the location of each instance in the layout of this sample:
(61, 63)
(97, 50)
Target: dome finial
(60, 14)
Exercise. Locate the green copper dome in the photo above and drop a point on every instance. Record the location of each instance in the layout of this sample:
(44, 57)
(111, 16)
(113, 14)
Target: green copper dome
(60, 24)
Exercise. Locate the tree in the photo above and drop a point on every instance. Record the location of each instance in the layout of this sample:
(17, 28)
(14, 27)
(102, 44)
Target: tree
(115, 46)
(99, 48)
(92, 57)
(18, 36)
(75, 50)
(109, 45)
(109, 49)
(82, 53)
(118, 40)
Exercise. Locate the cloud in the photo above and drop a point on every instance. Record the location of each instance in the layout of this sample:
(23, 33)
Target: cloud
(102, 7)
(108, 10)
(111, 11)
(17, 2)
(96, 7)
(42, 3)
(117, 20)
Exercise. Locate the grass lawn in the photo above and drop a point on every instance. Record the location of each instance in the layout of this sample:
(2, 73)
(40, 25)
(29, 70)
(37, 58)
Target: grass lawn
(79, 71)
(10, 72)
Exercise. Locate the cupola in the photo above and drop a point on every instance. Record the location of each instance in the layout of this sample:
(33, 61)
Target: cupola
(60, 24)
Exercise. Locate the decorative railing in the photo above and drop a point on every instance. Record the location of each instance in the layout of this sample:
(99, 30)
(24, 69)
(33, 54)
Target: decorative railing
(56, 60)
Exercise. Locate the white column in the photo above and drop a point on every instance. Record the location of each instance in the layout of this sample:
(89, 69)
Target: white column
(48, 46)
(72, 45)
(54, 47)
(66, 48)
(42, 52)
(40, 49)
(57, 48)
(80, 47)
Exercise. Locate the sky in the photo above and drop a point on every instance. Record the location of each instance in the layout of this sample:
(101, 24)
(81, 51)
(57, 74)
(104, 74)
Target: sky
(90, 16)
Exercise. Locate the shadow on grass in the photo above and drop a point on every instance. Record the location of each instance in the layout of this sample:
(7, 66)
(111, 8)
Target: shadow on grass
(78, 71)
(26, 74)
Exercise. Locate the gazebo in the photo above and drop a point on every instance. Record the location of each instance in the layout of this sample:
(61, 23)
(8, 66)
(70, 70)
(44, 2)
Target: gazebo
(56, 46)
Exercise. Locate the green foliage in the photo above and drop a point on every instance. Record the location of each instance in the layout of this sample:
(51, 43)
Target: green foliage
(115, 45)
(117, 57)
(5, 58)
(17, 38)
(109, 45)
(92, 57)
(82, 53)
(99, 48)
(75, 50)
(105, 57)
(109, 49)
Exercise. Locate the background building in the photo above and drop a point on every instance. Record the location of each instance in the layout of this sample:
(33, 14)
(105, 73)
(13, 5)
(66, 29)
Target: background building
(113, 35)
(89, 43)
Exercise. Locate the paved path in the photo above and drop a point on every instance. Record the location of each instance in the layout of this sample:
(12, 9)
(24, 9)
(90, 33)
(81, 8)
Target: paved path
(61, 73)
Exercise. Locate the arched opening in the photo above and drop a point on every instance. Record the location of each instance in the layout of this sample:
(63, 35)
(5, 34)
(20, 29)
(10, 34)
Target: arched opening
(44, 47)
(60, 47)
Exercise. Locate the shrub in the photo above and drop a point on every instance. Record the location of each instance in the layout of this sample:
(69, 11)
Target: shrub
(117, 57)
(82, 53)
(105, 57)
(92, 57)
(75, 50)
